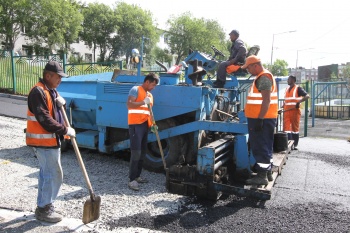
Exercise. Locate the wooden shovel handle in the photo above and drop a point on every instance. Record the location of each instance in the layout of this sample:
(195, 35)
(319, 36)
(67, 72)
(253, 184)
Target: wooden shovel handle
(77, 153)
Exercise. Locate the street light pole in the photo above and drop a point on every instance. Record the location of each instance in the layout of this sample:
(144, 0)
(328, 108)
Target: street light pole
(296, 64)
(273, 40)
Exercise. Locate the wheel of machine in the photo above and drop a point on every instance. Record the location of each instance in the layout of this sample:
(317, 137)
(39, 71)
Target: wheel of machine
(174, 149)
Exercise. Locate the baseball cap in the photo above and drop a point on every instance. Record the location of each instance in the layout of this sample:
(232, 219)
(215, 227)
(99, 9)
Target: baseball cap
(235, 32)
(54, 66)
(250, 60)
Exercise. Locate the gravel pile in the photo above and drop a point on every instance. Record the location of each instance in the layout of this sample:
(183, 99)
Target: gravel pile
(108, 175)
(153, 209)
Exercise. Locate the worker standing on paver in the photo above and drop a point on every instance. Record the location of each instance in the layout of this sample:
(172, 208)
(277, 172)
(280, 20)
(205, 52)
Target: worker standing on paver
(293, 96)
(261, 112)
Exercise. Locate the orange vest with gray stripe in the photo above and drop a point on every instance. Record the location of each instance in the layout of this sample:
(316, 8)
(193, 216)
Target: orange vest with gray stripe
(36, 135)
(140, 114)
(291, 97)
(254, 99)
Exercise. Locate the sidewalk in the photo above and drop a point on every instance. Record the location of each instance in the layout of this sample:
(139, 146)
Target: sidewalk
(326, 128)
(18, 221)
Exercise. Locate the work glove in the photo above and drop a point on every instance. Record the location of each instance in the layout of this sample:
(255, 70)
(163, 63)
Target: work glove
(154, 128)
(297, 105)
(280, 111)
(60, 101)
(259, 125)
(70, 132)
(147, 100)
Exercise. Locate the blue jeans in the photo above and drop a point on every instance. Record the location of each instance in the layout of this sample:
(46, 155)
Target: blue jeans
(221, 72)
(50, 175)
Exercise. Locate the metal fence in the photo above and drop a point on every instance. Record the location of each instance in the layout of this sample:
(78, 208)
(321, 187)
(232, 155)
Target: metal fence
(18, 74)
(330, 100)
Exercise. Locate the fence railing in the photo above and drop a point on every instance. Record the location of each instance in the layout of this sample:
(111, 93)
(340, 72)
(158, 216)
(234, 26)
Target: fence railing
(330, 100)
(18, 74)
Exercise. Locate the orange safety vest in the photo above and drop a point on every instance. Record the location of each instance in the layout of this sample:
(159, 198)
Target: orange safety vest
(36, 135)
(254, 99)
(291, 97)
(140, 114)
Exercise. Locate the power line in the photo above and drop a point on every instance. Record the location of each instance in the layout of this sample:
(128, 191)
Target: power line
(326, 33)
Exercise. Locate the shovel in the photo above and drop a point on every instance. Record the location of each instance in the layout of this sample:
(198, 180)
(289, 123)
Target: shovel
(157, 135)
(92, 206)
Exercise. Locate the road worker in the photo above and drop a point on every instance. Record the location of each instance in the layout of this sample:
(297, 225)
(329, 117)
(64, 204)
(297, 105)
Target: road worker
(293, 96)
(45, 131)
(261, 112)
(139, 120)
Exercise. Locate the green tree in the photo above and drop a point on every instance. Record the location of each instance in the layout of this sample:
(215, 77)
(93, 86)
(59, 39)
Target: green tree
(278, 68)
(56, 23)
(346, 77)
(98, 27)
(13, 15)
(161, 55)
(187, 32)
(346, 73)
(133, 23)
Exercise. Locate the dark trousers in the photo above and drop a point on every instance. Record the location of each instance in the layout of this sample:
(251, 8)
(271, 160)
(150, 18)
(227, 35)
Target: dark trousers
(221, 72)
(261, 143)
(138, 147)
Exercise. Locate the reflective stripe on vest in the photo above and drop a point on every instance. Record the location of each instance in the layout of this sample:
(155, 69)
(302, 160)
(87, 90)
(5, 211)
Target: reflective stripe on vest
(254, 99)
(140, 114)
(291, 97)
(36, 135)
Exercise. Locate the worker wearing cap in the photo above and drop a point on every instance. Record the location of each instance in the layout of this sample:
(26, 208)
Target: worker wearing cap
(261, 111)
(293, 96)
(237, 57)
(45, 130)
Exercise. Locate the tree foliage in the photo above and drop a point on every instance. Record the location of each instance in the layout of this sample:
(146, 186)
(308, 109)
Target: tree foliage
(187, 32)
(54, 22)
(98, 27)
(161, 55)
(13, 15)
(279, 68)
(133, 24)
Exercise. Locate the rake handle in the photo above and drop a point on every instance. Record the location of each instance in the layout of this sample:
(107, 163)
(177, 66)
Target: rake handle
(157, 136)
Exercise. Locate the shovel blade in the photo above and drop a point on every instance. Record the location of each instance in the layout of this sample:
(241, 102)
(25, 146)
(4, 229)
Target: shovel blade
(91, 209)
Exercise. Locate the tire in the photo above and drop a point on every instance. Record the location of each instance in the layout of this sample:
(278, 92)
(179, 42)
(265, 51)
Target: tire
(174, 149)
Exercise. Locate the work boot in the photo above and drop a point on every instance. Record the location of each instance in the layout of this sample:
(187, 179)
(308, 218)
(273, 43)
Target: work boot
(259, 179)
(47, 214)
(134, 185)
(269, 175)
(141, 180)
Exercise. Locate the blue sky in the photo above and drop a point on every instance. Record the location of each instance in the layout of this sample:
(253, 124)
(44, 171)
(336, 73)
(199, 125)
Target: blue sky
(321, 34)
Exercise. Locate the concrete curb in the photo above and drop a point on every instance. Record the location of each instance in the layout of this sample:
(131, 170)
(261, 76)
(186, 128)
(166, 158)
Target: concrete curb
(18, 97)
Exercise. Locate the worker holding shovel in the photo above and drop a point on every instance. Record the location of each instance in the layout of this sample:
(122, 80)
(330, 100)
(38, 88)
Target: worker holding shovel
(45, 130)
(139, 120)
(293, 96)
